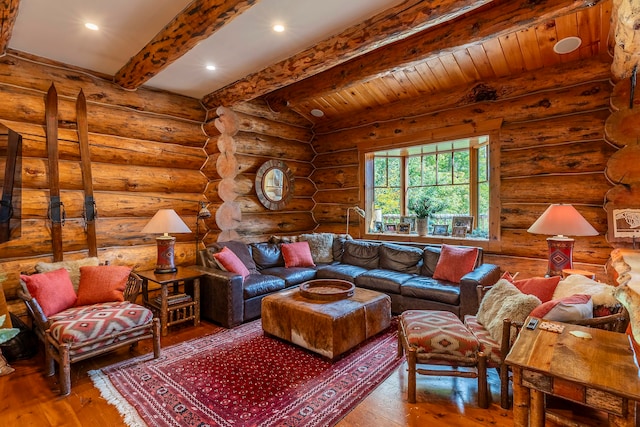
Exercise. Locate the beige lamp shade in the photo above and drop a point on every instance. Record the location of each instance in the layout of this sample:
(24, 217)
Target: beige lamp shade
(562, 220)
(166, 221)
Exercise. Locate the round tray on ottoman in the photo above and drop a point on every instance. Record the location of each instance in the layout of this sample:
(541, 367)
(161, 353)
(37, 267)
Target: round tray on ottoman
(327, 289)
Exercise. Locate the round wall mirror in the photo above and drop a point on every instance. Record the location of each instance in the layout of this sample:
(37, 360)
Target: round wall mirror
(274, 184)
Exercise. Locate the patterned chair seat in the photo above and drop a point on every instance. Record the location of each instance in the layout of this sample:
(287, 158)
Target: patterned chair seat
(488, 345)
(98, 325)
(431, 337)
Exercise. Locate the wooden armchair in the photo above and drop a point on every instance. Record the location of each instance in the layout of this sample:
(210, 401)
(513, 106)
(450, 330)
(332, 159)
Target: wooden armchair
(497, 351)
(73, 334)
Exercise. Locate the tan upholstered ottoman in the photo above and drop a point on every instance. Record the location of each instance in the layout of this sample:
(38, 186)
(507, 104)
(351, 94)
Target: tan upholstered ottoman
(327, 328)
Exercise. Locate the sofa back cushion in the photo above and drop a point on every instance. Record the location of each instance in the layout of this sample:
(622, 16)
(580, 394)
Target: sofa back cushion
(338, 245)
(241, 250)
(404, 259)
(267, 255)
(361, 254)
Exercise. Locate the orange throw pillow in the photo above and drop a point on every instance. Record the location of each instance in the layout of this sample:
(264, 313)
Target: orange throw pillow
(542, 287)
(455, 262)
(230, 261)
(297, 255)
(102, 283)
(53, 290)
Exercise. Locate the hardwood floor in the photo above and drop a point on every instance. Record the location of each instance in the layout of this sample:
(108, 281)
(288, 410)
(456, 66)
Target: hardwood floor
(28, 398)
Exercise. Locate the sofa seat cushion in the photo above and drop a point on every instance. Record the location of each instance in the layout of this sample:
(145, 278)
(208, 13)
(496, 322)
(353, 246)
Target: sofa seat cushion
(488, 345)
(431, 289)
(405, 259)
(383, 280)
(292, 275)
(261, 284)
(86, 323)
(340, 271)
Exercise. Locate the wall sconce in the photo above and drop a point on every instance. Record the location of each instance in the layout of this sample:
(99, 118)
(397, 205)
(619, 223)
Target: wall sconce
(357, 210)
(166, 221)
(203, 213)
(558, 220)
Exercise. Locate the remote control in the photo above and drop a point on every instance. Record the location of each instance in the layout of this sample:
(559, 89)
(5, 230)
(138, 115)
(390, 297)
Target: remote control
(532, 324)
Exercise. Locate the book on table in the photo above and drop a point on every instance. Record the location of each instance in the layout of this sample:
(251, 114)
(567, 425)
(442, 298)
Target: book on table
(173, 299)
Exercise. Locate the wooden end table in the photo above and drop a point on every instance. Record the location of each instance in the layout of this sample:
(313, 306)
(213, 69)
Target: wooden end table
(599, 372)
(172, 306)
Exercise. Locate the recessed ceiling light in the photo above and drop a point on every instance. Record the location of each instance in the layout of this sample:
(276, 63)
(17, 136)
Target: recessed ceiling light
(92, 26)
(278, 28)
(211, 67)
(567, 45)
(317, 113)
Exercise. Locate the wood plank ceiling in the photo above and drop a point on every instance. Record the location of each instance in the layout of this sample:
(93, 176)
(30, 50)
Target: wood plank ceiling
(417, 48)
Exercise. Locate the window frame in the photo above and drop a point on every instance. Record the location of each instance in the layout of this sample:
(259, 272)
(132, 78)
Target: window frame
(490, 128)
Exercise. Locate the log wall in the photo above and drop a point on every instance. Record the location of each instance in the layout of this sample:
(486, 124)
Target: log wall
(551, 145)
(262, 136)
(147, 149)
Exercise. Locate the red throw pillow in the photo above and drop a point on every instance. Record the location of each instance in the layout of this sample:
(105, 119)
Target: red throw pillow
(575, 307)
(230, 261)
(455, 262)
(542, 287)
(297, 255)
(102, 283)
(53, 290)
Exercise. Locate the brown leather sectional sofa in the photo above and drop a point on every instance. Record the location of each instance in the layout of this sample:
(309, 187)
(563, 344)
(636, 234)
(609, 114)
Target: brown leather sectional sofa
(402, 271)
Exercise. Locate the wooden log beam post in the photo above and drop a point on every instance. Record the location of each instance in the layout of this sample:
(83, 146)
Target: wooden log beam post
(626, 54)
(195, 23)
(9, 10)
(469, 31)
(391, 25)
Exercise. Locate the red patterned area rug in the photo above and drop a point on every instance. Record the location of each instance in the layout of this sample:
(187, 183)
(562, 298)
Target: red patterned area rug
(239, 377)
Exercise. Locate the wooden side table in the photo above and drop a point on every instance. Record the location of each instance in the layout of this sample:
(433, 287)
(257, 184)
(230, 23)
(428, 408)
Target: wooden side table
(569, 271)
(172, 306)
(599, 372)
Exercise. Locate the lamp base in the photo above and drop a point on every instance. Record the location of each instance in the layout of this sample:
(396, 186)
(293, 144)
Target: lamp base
(165, 262)
(560, 255)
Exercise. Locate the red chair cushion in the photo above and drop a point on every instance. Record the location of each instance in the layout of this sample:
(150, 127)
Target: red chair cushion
(53, 290)
(489, 346)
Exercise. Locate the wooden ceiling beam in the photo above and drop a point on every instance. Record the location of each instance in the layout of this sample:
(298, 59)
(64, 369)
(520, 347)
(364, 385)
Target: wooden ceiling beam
(471, 30)
(396, 23)
(199, 20)
(9, 10)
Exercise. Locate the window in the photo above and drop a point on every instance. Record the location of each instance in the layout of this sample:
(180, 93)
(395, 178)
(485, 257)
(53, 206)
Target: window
(454, 173)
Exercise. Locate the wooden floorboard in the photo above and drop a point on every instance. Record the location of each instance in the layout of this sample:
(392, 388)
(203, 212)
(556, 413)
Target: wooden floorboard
(28, 398)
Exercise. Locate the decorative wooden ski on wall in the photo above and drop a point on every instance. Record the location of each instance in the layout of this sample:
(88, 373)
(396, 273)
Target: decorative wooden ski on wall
(6, 207)
(56, 209)
(90, 212)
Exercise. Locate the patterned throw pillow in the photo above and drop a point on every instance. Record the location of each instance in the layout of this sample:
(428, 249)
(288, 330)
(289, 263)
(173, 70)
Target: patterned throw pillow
(575, 307)
(102, 283)
(53, 290)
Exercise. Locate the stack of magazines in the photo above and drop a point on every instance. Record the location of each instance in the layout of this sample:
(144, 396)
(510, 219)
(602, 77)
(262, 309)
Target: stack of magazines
(173, 299)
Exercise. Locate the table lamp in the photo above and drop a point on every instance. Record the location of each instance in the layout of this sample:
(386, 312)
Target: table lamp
(558, 221)
(358, 210)
(166, 221)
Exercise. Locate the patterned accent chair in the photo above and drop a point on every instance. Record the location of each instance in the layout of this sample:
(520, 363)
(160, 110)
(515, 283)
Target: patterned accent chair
(81, 332)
